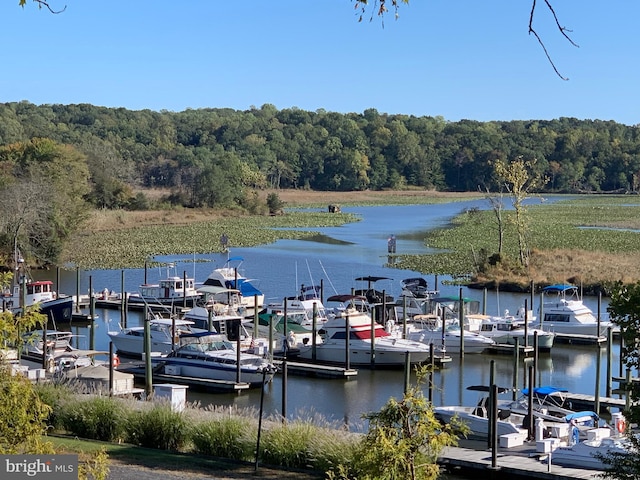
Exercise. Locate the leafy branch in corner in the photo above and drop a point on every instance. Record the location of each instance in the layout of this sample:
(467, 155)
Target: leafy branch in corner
(380, 9)
(43, 4)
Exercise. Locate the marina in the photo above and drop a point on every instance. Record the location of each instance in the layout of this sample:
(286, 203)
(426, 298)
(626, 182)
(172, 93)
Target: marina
(344, 395)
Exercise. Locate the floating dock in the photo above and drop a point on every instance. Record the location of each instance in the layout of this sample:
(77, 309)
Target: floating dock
(316, 370)
(138, 372)
(511, 464)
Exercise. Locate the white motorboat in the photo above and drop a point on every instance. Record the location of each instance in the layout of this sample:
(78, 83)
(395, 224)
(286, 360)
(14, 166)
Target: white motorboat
(212, 356)
(476, 417)
(130, 341)
(223, 322)
(171, 290)
(507, 329)
(300, 312)
(365, 338)
(56, 343)
(564, 312)
(229, 277)
(588, 453)
(428, 329)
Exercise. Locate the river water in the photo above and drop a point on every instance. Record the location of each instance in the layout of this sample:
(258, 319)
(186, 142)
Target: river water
(337, 257)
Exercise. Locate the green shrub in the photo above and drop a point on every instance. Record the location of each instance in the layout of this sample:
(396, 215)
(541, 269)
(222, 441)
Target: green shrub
(55, 395)
(288, 445)
(159, 427)
(99, 418)
(228, 437)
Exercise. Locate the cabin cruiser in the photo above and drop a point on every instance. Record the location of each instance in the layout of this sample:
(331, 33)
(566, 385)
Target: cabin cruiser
(508, 329)
(171, 290)
(368, 341)
(164, 334)
(228, 276)
(564, 312)
(429, 329)
(212, 356)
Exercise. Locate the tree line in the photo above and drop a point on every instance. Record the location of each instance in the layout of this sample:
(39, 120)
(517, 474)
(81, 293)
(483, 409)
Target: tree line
(68, 158)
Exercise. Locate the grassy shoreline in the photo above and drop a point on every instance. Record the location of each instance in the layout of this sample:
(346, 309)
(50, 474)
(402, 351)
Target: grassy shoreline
(589, 240)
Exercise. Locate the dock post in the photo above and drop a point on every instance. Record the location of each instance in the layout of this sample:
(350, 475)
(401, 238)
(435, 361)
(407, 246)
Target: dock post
(373, 338)
(627, 387)
(484, 301)
(271, 337)
(184, 289)
(314, 328)
(516, 368)
(77, 290)
(432, 362)
(111, 369)
(494, 425)
(148, 387)
(285, 369)
(407, 371)
(122, 300)
(490, 412)
(526, 324)
(596, 402)
(530, 405)
(238, 352)
(92, 314)
(461, 320)
(535, 357)
(347, 353)
(264, 380)
(256, 318)
(404, 316)
(609, 360)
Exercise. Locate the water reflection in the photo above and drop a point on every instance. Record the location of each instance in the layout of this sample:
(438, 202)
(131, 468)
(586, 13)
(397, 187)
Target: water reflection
(337, 256)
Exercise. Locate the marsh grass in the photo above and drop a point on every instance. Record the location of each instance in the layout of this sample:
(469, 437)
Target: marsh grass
(591, 240)
(307, 442)
(229, 437)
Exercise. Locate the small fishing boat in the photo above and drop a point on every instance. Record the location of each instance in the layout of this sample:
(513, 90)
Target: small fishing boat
(212, 356)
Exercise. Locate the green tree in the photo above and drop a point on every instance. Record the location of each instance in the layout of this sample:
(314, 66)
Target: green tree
(43, 196)
(624, 310)
(404, 439)
(520, 179)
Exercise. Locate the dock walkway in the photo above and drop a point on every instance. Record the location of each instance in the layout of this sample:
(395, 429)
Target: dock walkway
(511, 464)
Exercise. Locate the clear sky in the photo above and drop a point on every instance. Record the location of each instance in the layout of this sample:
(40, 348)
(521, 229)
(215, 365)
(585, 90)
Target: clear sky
(459, 59)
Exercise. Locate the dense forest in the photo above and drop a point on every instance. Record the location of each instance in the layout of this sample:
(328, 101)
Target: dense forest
(219, 157)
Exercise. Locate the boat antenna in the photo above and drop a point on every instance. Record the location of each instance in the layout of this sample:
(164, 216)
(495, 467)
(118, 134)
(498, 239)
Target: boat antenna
(329, 279)
(313, 284)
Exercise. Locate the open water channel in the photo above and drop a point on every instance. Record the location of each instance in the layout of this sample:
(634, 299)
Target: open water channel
(337, 257)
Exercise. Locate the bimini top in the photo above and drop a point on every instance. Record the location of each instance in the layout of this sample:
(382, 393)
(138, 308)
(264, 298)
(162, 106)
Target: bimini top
(545, 390)
(559, 288)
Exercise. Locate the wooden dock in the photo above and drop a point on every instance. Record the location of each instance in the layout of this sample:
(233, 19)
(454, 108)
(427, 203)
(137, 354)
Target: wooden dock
(138, 372)
(508, 349)
(316, 370)
(579, 401)
(511, 464)
(573, 339)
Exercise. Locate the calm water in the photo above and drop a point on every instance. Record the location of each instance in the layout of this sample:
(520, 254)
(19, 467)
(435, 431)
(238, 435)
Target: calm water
(337, 257)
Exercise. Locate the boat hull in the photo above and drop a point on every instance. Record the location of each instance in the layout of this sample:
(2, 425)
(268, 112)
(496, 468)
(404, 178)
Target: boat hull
(362, 356)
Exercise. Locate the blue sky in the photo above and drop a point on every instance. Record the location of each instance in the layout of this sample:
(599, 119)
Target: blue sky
(466, 59)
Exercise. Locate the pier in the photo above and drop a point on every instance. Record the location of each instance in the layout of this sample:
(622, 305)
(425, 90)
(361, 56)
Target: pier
(511, 464)
(138, 371)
